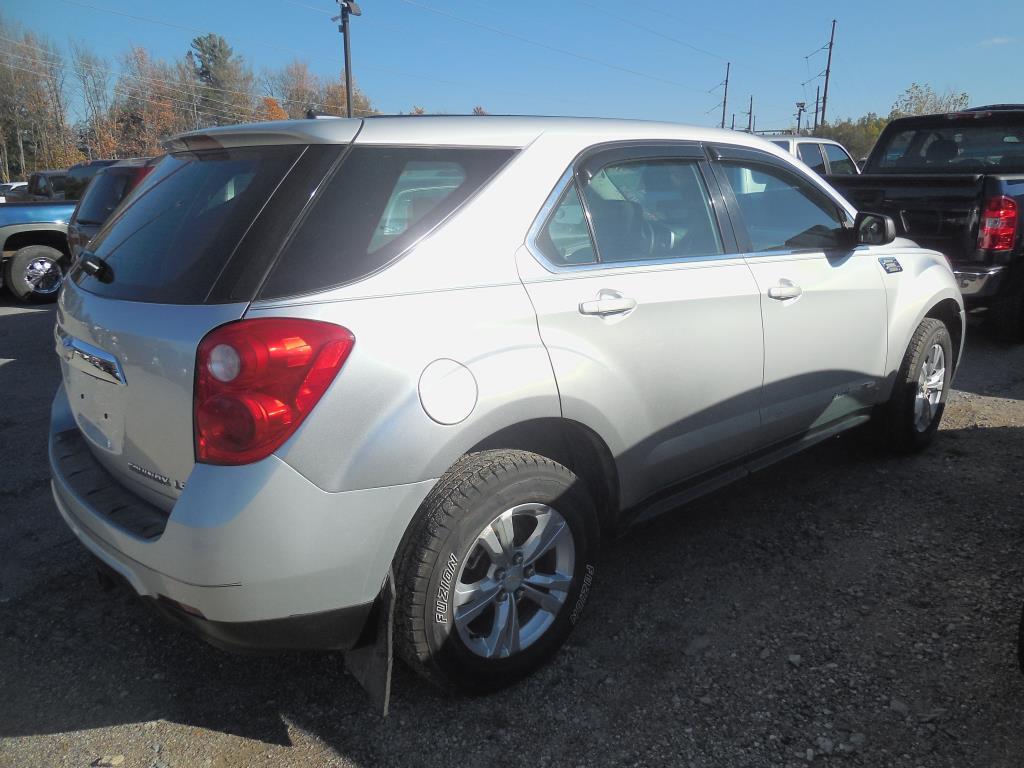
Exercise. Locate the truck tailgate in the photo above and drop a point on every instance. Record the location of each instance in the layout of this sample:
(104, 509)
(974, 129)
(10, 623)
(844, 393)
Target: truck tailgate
(938, 211)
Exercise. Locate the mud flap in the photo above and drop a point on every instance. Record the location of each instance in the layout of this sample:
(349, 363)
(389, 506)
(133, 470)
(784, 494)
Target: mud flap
(371, 664)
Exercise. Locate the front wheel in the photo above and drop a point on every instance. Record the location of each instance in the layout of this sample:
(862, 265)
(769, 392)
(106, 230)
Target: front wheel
(912, 415)
(35, 273)
(496, 570)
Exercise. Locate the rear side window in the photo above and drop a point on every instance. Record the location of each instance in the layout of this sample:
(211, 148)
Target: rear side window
(185, 222)
(651, 209)
(839, 163)
(811, 155)
(565, 238)
(377, 204)
(102, 197)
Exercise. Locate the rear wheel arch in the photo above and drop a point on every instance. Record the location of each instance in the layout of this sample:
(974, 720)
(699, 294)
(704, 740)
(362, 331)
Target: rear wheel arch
(574, 446)
(22, 237)
(947, 312)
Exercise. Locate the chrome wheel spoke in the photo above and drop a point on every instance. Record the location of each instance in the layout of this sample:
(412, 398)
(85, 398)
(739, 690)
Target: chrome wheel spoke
(545, 600)
(505, 532)
(557, 582)
(492, 546)
(473, 599)
(503, 639)
(935, 380)
(544, 537)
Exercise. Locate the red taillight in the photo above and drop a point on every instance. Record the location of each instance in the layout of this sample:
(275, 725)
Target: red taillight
(998, 224)
(257, 379)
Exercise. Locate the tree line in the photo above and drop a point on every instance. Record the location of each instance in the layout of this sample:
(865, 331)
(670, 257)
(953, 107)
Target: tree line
(859, 135)
(126, 107)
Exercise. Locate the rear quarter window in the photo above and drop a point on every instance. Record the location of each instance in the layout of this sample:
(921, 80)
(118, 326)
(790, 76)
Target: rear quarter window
(376, 205)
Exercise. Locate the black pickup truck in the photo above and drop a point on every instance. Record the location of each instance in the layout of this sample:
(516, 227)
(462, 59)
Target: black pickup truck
(955, 183)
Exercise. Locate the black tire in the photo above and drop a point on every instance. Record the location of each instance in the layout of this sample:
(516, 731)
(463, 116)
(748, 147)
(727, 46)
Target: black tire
(901, 428)
(17, 268)
(440, 543)
(1006, 315)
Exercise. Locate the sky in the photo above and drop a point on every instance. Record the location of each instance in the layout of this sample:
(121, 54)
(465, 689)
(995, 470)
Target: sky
(648, 59)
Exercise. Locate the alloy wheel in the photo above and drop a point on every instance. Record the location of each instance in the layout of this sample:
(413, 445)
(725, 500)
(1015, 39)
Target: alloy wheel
(930, 383)
(514, 581)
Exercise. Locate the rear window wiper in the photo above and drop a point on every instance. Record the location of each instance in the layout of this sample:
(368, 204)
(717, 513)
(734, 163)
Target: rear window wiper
(93, 265)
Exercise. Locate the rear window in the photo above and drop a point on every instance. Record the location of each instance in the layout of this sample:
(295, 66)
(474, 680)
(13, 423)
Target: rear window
(78, 179)
(105, 192)
(966, 144)
(377, 204)
(185, 222)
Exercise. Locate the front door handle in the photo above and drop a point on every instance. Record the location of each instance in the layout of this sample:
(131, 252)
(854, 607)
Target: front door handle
(784, 290)
(607, 306)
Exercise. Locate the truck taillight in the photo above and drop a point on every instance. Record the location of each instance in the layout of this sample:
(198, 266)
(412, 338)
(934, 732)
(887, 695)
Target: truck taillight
(998, 224)
(256, 380)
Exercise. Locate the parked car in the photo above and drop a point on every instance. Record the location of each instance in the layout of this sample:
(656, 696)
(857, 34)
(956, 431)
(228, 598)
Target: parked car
(823, 156)
(105, 192)
(34, 248)
(12, 190)
(44, 186)
(952, 182)
(295, 374)
(80, 174)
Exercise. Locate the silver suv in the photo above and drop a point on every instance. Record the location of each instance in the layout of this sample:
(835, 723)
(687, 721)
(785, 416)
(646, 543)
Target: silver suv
(313, 360)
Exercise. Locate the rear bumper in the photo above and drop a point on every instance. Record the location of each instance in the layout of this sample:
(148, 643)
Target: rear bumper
(979, 282)
(251, 557)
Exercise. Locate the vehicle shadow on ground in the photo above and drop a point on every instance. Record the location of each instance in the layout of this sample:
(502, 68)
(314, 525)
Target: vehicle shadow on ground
(839, 579)
(990, 367)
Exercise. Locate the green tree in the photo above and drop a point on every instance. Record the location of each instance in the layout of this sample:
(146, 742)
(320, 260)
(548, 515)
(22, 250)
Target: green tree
(858, 136)
(227, 93)
(924, 100)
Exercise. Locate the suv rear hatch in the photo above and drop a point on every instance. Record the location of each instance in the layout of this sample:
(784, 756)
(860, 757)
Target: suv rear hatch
(186, 256)
(215, 226)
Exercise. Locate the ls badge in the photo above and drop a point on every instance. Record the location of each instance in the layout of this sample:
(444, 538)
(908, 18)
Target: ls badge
(890, 264)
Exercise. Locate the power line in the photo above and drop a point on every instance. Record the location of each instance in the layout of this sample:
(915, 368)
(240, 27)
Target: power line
(545, 46)
(649, 30)
(303, 54)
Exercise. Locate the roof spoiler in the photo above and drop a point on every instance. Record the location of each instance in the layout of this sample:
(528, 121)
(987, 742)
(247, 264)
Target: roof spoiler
(337, 131)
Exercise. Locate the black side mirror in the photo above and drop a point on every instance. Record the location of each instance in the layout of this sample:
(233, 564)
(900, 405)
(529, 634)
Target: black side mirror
(874, 229)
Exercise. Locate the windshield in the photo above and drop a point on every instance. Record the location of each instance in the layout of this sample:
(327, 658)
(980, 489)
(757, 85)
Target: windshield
(966, 144)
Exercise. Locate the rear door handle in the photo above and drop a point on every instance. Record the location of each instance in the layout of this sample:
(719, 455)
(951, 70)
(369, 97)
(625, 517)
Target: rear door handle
(607, 306)
(784, 290)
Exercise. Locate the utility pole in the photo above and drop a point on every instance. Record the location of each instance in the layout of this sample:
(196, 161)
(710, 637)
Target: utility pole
(800, 106)
(733, 126)
(750, 115)
(817, 103)
(725, 96)
(828, 71)
(348, 8)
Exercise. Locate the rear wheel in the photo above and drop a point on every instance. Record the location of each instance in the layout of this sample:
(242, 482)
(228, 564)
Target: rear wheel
(495, 571)
(35, 273)
(912, 415)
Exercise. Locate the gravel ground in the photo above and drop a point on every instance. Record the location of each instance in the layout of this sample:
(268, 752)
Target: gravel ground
(842, 608)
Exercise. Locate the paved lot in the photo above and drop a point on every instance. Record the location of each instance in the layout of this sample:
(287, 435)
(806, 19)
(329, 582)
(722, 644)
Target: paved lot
(844, 608)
